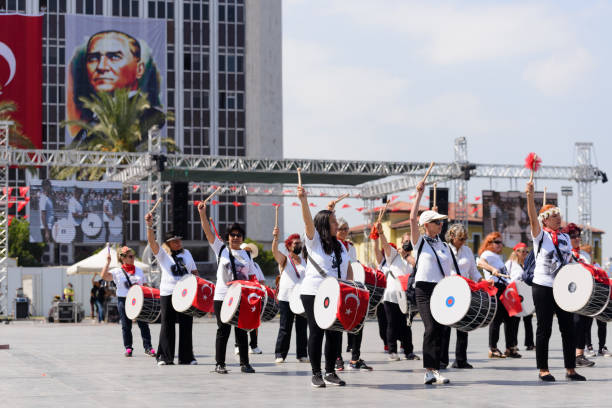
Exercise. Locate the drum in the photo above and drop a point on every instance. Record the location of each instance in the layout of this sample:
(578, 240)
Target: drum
(341, 305)
(242, 305)
(525, 293)
(576, 290)
(193, 296)
(374, 281)
(456, 303)
(270, 306)
(404, 304)
(295, 300)
(142, 303)
(115, 226)
(63, 231)
(92, 225)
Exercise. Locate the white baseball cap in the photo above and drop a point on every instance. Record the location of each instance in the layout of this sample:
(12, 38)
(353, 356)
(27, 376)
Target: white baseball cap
(429, 216)
(252, 248)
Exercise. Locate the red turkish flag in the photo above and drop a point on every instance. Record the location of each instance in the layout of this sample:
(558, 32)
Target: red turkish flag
(404, 281)
(21, 71)
(511, 300)
(352, 306)
(206, 292)
(251, 303)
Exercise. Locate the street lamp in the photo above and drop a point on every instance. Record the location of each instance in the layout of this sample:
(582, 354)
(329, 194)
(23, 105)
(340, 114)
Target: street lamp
(566, 191)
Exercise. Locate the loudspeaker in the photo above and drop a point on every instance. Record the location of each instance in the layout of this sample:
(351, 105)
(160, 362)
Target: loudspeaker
(442, 202)
(180, 208)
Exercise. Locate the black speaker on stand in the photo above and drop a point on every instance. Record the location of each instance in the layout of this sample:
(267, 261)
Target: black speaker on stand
(442, 203)
(180, 208)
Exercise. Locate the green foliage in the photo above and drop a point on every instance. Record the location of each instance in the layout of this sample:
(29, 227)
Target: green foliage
(265, 259)
(20, 247)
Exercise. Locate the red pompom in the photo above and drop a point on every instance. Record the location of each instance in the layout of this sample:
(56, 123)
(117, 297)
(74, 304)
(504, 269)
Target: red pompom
(374, 233)
(533, 161)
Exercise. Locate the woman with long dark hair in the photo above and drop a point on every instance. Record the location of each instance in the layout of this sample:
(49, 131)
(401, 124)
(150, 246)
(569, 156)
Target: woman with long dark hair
(326, 257)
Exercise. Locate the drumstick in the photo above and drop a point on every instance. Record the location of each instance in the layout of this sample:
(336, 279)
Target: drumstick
(544, 198)
(212, 195)
(276, 217)
(299, 172)
(428, 171)
(342, 197)
(435, 191)
(158, 202)
(383, 211)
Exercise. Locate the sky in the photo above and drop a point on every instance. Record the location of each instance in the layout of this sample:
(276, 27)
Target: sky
(399, 80)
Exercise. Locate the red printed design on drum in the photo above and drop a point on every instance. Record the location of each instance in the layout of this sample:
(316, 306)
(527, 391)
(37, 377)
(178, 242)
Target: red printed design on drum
(133, 301)
(482, 285)
(352, 306)
(404, 281)
(184, 293)
(375, 277)
(511, 300)
(251, 301)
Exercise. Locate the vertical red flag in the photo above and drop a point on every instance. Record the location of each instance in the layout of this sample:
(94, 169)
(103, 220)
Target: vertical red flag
(21, 71)
(511, 300)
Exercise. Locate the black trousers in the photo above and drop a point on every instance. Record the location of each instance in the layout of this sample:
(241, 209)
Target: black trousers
(223, 333)
(167, 334)
(253, 334)
(460, 346)
(381, 317)
(432, 338)
(354, 342)
(397, 329)
(580, 327)
(546, 308)
(602, 331)
(528, 324)
(315, 339)
(126, 327)
(283, 340)
(501, 316)
(513, 324)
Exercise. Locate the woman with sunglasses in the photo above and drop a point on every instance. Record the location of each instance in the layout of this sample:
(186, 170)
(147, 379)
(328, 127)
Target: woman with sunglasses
(491, 261)
(326, 257)
(293, 269)
(125, 276)
(553, 250)
(234, 263)
(514, 265)
(434, 262)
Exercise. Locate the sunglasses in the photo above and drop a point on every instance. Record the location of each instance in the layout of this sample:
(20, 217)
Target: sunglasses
(128, 256)
(574, 236)
(462, 239)
(343, 229)
(234, 235)
(498, 242)
(437, 222)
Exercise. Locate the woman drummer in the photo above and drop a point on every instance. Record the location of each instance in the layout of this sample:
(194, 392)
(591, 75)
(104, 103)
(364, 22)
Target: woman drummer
(490, 259)
(233, 264)
(434, 262)
(514, 266)
(327, 254)
(125, 276)
(174, 262)
(553, 250)
(293, 269)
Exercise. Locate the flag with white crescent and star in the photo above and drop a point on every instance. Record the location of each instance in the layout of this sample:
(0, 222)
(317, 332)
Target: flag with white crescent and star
(352, 306)
(251, 302)
(21, 71)
(511, 300)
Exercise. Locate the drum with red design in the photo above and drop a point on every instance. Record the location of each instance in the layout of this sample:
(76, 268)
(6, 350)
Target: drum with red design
(583, 289)
(459, 303)
(341, 305)
(242, 305)
(374, 281)
(270, 305)
(525, 293)
(295, 300)
(193, 296)
(142, 303)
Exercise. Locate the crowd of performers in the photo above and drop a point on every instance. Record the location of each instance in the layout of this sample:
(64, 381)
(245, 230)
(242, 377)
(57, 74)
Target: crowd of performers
(412, 270)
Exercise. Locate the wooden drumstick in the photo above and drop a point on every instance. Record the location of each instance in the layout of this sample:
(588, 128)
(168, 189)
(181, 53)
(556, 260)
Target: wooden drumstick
(435, 193)
(276, 216)
(383, 211)
(544, 198)
(158, 202)
(342, 197)
(428, 171)
(299, 172)
(212, 195)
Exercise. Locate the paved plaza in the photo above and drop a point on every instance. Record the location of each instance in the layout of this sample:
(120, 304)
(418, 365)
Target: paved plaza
(82, 365)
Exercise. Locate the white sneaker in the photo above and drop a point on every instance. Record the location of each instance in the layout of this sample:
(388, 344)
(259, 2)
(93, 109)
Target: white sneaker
(303, 360)
(279, 360)
(194, 362)
(161, 363)
(590, 353)
(440, 378)
(236, 350)
(255, 350)
(430, 378)
(394, 357)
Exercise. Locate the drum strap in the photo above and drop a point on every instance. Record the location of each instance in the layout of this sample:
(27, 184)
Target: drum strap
(127, 277)
(294, 267)
(232, 259)
(317, 267)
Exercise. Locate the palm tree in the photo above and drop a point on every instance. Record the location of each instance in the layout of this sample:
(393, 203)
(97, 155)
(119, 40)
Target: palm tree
(121, 125)
(16, 137)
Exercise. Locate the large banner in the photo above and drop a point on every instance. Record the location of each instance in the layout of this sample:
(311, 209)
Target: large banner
(83, 212)
(106, 53)
(21, 73)
(506, 212)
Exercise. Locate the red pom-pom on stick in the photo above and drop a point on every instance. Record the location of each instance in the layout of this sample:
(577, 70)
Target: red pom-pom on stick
(532, 162)
(374, 233)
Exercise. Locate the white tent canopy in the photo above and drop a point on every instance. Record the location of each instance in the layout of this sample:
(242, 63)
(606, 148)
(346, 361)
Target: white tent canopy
(96, 262)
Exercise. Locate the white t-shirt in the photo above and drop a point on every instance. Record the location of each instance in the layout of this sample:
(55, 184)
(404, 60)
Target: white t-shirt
(352, 252)
(289, 278)
(328, 263)
(46, 204)
(242, 261)
(514, 270)
(137, 278)
(395, 266)
(74, 206)
(168, 279)
(258, 272)
(427, 265)
(497, 262)
(107, 206)
(547, 261)
(466, 262)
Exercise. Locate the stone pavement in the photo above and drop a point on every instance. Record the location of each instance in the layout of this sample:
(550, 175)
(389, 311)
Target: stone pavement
(82, 365)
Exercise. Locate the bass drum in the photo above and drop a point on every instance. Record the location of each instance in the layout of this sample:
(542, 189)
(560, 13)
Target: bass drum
(92, 225)
(63, 231)
(115, 226)
(295, 301)
(525, 293)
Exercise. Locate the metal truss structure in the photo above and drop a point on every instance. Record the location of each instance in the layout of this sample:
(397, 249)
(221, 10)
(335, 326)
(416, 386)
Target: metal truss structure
(4, 199)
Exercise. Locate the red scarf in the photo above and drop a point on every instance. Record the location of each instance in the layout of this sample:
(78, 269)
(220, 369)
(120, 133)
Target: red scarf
(554, 234)
(345, 243)
(576, 252)
(131, 269)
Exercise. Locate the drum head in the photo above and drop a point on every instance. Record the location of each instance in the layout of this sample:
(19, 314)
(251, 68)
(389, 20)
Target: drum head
(63, 231)
(402, 301)
(573, 287)
(231, 302)
(295, 300)
(115, 225)
(326, 303)
(184, 292)
(358, 272)
(526, 295)
(133, 302)
(91, 225)
(450, 300)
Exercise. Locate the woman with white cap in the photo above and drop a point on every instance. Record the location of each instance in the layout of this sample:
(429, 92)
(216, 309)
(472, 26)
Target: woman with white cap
(434, 262)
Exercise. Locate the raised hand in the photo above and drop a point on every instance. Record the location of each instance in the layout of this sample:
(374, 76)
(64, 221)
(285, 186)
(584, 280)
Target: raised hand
(275, 232)
(420, 187)
(149, 219)
(301, 193)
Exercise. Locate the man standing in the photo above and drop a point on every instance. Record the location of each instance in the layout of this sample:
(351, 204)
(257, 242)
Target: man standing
(76, 214)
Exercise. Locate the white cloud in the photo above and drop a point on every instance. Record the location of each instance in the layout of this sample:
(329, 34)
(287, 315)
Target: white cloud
(557, 74)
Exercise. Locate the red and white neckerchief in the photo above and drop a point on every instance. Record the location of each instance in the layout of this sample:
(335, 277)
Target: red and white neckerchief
(294, 267)
(131, 269)
(345, 243)
(554, 234)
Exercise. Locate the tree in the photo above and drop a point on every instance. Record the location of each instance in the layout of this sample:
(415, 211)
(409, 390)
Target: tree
(20, 247)
(265, 259)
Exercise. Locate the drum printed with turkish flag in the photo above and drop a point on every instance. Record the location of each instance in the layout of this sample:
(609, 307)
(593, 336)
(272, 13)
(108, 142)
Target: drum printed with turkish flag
(21, 71)
(251, 302)
(206, 292)
(375, 277)
(511, 300)
(352, 306)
